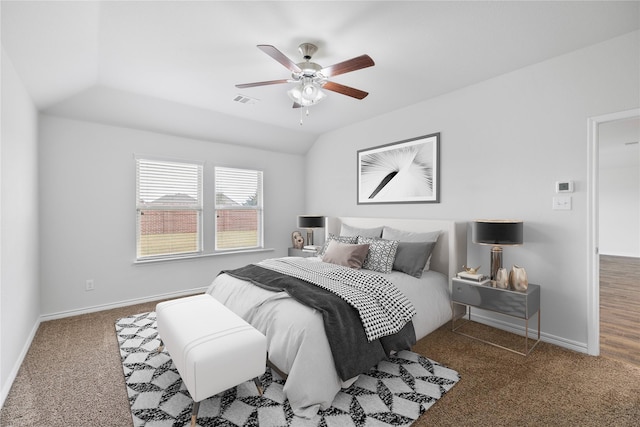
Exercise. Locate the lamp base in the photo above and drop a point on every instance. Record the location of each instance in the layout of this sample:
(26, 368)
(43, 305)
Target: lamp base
(496, 261)
(309, 237)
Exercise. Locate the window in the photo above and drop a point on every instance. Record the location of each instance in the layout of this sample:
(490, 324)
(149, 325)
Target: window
(238, 209)
(169, 208)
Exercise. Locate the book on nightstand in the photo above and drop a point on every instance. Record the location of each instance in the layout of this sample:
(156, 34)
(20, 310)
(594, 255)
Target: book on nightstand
(476, 278)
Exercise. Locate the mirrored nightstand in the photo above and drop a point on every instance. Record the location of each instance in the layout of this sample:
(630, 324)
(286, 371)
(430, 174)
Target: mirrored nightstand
(302, 252)
(522, 305)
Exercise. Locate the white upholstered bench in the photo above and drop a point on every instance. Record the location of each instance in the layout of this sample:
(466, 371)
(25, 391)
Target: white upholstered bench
(212, 348)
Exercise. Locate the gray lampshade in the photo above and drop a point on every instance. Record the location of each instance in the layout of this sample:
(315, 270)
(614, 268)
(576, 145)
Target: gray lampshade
(310, 221)
(502, 232)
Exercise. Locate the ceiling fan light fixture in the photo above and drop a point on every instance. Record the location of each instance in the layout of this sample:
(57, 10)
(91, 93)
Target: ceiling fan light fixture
(310, 91)
(306, 93)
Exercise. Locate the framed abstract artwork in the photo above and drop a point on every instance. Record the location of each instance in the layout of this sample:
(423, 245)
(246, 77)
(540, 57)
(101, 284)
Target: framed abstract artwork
(401, 172)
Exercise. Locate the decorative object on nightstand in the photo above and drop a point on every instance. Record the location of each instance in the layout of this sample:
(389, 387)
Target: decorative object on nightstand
(473, 277)
(297, 241)
(310, 222)
(497, 233)
(518, 278)
(502, 278)
(472, 274)
(471, 270)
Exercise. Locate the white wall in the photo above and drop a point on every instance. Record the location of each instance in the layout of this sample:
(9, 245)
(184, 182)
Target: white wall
(87, 199)
(619, 187)
(19, 294)
(620, 211)
(504, 144)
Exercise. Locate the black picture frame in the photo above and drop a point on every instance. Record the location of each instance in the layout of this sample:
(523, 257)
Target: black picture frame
(405, 171)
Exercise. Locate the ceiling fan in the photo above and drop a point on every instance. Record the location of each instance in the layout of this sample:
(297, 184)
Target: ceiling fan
(310, 77)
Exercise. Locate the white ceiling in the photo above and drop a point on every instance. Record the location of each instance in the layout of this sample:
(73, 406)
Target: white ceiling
(172, 66)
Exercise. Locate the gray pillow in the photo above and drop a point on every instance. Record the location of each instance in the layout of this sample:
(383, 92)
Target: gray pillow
(412, 236)
(411, 257)
(347, 230)
(381, 254)
(348, 255)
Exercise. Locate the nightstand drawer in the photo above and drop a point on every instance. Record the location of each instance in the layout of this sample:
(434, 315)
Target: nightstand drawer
(513, 303)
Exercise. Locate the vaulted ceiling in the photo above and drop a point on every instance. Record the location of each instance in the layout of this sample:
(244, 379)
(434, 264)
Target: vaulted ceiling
(172, 66)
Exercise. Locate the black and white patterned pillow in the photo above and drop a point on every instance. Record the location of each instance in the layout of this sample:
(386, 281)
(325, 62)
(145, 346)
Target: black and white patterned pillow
(342, 239)
(381, 254)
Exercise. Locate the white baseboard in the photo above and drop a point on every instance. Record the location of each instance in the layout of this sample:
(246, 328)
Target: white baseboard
(621, 254)
(16, 367)
(102, 307)
(533, 332)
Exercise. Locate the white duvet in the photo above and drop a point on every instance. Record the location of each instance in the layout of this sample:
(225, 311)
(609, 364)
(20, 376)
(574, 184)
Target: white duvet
(296, 341)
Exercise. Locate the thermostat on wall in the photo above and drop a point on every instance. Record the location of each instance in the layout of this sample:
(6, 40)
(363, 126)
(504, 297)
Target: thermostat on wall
(564, 186)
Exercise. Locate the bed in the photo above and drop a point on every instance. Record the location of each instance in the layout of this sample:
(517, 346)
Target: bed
(297, 342)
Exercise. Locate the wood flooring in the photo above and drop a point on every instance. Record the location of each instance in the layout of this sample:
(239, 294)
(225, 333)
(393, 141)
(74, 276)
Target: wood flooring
(620, 308)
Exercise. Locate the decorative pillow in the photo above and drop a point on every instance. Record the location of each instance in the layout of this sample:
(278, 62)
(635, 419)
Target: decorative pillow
(349, 255)
(409, 236)
(347, 230)
(341, 239)
(411, 257)
(381, 254)
(412, 236)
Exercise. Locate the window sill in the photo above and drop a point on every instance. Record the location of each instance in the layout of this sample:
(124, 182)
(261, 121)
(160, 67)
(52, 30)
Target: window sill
(213, 254)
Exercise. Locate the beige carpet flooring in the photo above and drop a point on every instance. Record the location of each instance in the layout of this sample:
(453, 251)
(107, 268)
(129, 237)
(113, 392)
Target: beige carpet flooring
(72, 376)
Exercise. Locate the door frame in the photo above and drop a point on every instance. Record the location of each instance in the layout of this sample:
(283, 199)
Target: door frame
(593, 261)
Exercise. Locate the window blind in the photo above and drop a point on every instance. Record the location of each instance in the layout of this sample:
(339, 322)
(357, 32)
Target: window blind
(238, 208)
(169, 207)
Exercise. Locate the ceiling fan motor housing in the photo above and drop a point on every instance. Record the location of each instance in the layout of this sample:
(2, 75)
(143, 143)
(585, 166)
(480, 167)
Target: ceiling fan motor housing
(307, 50)
(309, 69)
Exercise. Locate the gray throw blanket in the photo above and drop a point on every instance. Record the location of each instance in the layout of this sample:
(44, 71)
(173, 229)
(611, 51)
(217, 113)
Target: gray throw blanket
(353, 354)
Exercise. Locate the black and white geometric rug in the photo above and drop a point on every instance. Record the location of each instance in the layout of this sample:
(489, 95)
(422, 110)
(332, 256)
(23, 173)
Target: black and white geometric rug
(396, 392)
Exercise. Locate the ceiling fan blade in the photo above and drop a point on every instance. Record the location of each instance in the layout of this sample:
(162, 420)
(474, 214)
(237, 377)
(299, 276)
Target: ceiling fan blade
(349, 65)
(280, 57)
(268, 82)
(345, 90)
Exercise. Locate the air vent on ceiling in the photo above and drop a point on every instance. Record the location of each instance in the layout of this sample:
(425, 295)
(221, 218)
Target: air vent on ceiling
(245, 99)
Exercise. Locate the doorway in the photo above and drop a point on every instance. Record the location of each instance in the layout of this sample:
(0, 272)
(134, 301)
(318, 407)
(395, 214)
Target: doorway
(598, 135)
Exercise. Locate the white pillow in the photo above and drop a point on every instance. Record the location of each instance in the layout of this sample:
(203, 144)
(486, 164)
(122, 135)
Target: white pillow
(390, 233)
(347, 230)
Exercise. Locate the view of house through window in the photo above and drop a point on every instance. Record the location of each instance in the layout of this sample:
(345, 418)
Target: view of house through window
(238, 209)
(169, 208)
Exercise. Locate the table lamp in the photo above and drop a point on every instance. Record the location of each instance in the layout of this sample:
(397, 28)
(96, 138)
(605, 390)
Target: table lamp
(309, 222)
(497, 233)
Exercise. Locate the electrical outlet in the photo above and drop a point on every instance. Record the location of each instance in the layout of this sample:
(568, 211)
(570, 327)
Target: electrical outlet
(89, 285)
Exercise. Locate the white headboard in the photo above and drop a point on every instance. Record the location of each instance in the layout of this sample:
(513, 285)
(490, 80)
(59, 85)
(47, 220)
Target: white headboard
(449, 254)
